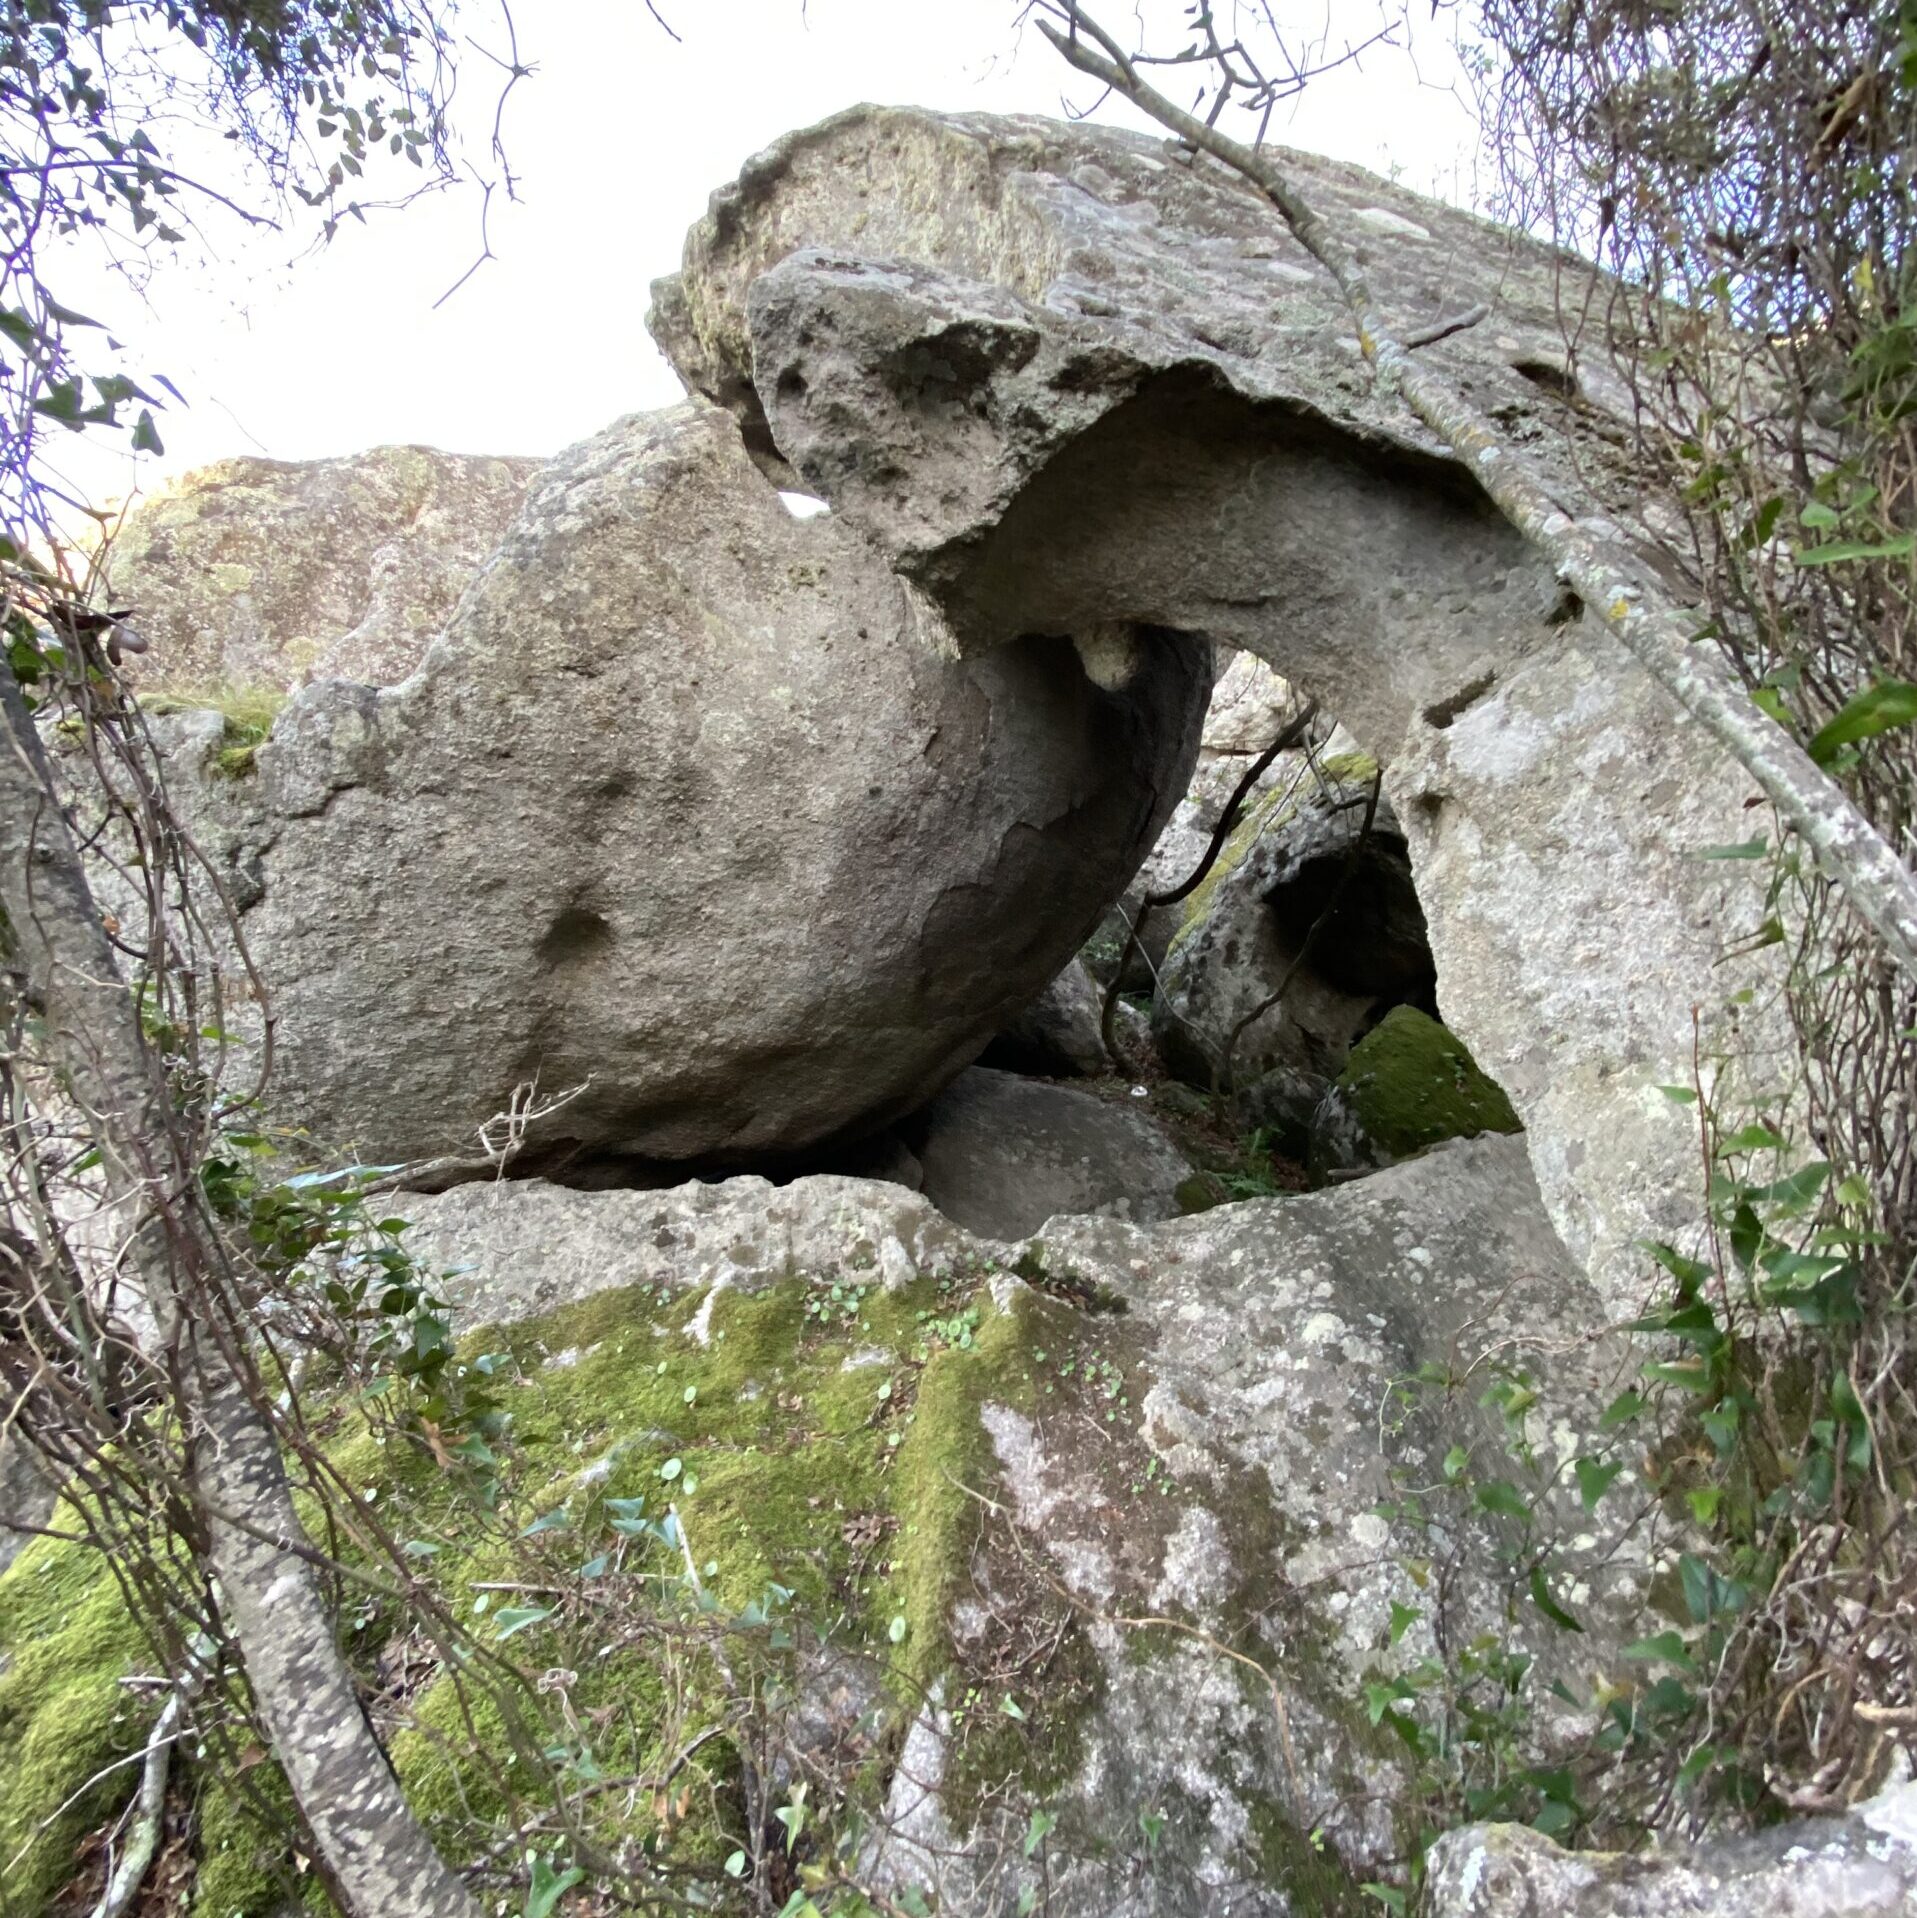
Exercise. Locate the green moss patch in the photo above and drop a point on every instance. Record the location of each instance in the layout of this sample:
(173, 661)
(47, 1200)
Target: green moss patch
(813, 1458)
(66, 1640)
(1409, 1083)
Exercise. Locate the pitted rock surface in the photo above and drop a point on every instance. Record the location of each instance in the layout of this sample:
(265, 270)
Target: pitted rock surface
(691, 806)
(1063, 374)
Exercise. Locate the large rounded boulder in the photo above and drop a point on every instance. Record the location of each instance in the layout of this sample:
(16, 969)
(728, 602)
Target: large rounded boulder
(693, 806)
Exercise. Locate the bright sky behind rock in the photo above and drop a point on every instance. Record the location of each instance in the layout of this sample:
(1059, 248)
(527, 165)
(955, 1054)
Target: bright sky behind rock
(616, 141)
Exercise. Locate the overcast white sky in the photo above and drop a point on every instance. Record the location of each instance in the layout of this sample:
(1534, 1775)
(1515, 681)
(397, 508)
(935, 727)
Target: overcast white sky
(616, 141)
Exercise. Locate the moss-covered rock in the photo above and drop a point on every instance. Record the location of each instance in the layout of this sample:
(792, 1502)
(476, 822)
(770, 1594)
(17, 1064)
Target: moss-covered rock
(818, 1440)
(1408, 1084)
(66, 1640)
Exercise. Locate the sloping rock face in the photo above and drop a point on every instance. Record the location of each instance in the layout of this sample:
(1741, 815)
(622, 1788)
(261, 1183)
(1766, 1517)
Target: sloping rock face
(1063, 375)
(692, 807)
(1862, 1865)
(268, 573)
(1407, 1085)
(1206, 1424)
(1059, 1034)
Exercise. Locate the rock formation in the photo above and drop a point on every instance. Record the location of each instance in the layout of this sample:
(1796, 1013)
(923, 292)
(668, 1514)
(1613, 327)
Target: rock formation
(1065, 375)
(690, 806)
(1143, 1531)
(1002, 1156)
(1212, 1430)
(1305, 932)
(264, 574)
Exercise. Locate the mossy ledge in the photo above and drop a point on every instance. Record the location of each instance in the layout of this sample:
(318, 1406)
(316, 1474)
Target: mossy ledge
(823, 1437)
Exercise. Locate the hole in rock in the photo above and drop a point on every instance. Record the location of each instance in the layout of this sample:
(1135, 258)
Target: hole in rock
(1553, 378)
(576, 936)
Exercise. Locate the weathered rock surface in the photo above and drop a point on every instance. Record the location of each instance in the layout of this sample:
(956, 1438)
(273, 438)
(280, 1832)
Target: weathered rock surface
(690, 806)
(1249, 707)
(1062, 375)
(1057, 1035)
(265, 573)
(26, 1495)
(1863, 1865)
(1002, 1154)
(1226, 1469)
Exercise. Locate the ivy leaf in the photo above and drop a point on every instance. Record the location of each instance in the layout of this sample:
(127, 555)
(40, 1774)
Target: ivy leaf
(1877, 709)
(1502, 1497)
(1595, 1478)
(548, 1887)
(146, 436)
(1666, 1648)
(516, 1618)
(1750, 1138)
(1622, 1410)
(1837, 552)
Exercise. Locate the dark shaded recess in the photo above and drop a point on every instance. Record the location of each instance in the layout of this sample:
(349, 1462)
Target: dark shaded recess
(1100, 747)
(1124, 523)
(576, 936)
(1373, 942)
(1558, 381)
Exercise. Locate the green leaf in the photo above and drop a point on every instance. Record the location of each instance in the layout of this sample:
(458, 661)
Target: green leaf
(1679, 1095)
(896, 1630)
(1666, 1648)
(736, 1864)
(1541, 1597)
(548, 1887)
(1595, 1478)
(1503, 1498)
(1403, 1617)
(1707, 1594)
(1622, 1410)
(1750, 1138)
(516, 1618)
(671, 1469)
(1744, 849)
(1043, 1824)
(1689, 1375)
(1836, 552)
(1877, 709)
